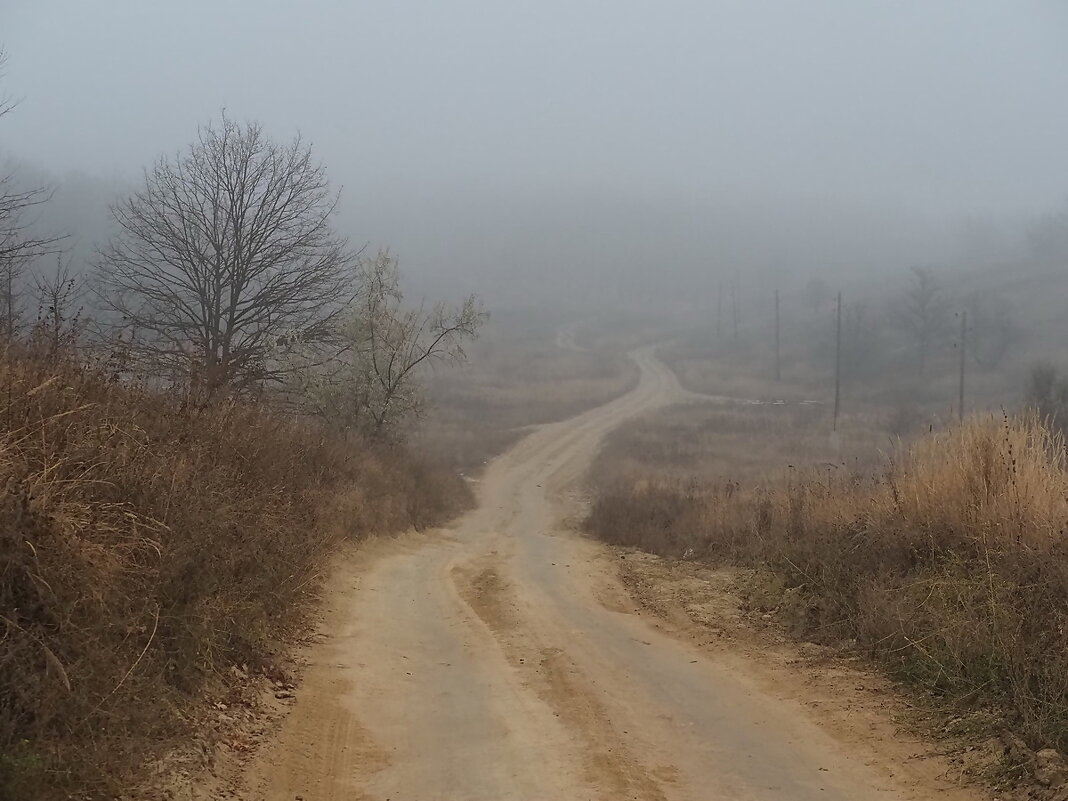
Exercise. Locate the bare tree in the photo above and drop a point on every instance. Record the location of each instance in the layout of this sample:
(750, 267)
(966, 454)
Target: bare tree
(225, 260)
(923, 314)
(20, 242)
(374, 386)
(59, 309)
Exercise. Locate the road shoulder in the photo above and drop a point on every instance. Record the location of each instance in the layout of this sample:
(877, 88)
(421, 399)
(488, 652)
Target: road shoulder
(847, 697)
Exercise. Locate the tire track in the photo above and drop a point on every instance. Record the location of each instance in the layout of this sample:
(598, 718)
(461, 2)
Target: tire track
(611, 769)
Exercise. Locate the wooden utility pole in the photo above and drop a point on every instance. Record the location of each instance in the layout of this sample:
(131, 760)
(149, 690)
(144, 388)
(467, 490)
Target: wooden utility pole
(837, 365)
(734, 308)
(963, 354)
(719, 311)
(778, 355)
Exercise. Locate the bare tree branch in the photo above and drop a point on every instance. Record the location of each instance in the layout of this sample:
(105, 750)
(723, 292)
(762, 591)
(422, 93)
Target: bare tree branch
(20, 243)
(59, 309)
(226, 259)
(375, 386)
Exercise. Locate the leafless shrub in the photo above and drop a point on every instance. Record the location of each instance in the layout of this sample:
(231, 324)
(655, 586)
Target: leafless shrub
(60, 321)
(373, 385)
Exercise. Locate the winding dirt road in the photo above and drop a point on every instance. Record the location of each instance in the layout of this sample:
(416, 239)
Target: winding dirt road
(500, 659)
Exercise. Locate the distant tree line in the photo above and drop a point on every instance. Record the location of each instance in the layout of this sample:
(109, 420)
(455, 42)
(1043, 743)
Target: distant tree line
(908, 330)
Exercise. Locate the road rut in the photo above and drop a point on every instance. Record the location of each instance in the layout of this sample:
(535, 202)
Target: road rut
(500, 660)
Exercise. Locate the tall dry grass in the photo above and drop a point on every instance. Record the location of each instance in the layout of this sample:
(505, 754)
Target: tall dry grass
(950, 565)
(145, 547)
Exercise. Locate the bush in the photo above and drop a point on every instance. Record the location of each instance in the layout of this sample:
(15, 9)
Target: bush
(146, 546)
(951, 567)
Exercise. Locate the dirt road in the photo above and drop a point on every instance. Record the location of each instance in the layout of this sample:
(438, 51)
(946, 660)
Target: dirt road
(500, 659)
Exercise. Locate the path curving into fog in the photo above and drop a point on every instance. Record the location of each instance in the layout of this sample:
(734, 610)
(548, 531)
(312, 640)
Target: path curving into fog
(499, 659)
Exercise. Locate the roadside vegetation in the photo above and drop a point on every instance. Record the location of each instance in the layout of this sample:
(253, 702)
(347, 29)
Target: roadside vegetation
(190, 425)
(193, 420)
(942, 557)
(147, 547)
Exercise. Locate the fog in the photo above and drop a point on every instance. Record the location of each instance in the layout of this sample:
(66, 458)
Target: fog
(589, 152)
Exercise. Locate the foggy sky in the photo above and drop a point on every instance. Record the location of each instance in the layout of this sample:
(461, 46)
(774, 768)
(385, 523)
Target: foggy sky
(492, 138)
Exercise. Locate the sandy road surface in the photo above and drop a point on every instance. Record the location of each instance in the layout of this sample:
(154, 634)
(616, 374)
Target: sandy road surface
(500, 659)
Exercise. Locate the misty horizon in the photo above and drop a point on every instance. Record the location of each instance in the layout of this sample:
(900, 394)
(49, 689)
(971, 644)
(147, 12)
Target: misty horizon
(482, 144)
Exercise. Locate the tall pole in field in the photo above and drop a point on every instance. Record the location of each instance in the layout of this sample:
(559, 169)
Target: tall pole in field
(837, 364)
(734, 308)
(719, 311)
(778, 357)
(963, 349)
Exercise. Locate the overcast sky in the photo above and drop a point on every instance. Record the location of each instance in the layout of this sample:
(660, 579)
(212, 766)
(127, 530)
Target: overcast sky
(449, 118)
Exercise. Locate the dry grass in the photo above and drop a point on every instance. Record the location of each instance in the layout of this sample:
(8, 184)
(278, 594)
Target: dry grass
(145, 548)
(884, 385)
(740, 441)
(515, 379)
(950, 565)
(742, 374)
